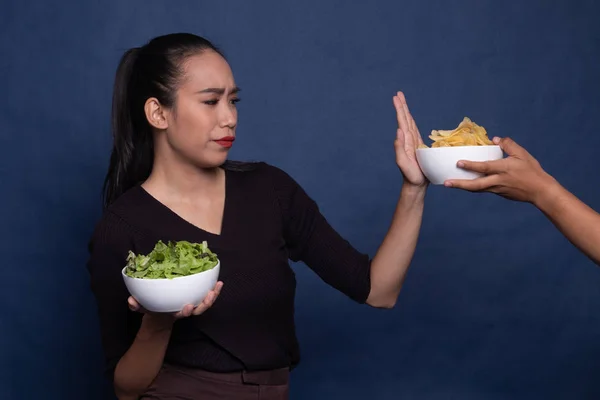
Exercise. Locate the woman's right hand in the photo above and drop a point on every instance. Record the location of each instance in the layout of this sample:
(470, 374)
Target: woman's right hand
(187, 310)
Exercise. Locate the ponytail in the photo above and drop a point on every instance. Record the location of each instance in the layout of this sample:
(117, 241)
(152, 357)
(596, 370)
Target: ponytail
(132, 153)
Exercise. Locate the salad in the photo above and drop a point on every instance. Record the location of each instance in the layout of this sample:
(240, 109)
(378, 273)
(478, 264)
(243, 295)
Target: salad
(171, 260)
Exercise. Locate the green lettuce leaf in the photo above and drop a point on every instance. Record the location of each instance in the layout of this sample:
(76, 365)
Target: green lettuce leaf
(171, 260)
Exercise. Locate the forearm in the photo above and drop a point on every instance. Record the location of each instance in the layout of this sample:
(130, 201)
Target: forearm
(393, 258)
(141, 363)
(579, 223)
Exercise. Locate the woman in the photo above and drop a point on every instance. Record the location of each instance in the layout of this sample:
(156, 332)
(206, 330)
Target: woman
(520, 177)
(174, 120)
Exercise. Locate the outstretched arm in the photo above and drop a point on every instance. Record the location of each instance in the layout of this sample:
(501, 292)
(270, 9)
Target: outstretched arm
(391, 262)
(311, 239)
(520, 177)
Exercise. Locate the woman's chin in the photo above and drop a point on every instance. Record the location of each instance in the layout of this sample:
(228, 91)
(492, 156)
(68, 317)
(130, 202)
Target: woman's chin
(212, 161)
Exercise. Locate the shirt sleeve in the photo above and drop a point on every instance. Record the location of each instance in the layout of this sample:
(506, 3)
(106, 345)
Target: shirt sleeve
(110, 244)
(311, 239)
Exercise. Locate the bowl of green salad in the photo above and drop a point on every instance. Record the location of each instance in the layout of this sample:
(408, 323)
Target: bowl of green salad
(172, 275)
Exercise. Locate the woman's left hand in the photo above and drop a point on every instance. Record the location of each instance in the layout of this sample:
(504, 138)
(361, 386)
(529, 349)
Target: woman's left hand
(407, 140)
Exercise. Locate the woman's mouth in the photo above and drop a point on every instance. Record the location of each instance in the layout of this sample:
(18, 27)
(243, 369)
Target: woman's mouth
(226, 141)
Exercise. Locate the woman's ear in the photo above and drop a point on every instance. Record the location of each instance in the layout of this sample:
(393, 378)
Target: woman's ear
(156, 114)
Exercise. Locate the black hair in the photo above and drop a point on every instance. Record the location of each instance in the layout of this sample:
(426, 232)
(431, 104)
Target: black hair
(153, 70)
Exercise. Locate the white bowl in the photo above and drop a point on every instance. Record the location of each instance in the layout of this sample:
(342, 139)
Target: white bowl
(439, 163)
(171, 295)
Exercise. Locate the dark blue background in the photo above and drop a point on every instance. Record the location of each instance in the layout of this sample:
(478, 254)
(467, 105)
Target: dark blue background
(497, 304)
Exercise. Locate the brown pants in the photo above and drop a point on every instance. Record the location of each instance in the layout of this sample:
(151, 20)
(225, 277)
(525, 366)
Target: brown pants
(178, 383)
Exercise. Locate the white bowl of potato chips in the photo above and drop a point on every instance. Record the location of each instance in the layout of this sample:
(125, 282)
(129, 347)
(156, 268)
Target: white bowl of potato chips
(468, 141)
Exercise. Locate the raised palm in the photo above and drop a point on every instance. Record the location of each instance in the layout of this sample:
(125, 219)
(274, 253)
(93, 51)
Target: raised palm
(407, 140)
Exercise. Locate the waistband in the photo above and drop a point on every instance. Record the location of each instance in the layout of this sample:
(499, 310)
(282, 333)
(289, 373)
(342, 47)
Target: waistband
(280, 376)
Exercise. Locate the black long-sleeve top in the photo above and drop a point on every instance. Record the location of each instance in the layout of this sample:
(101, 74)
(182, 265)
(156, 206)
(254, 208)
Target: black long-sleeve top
(268, 220)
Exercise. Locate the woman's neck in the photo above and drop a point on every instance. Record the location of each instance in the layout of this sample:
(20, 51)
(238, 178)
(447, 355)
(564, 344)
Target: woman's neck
(183, 181)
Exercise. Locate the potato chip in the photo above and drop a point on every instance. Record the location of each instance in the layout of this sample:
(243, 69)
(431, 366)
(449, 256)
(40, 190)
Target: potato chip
(467, 133)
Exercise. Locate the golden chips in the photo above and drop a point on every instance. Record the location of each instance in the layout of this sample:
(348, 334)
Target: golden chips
(468, 133)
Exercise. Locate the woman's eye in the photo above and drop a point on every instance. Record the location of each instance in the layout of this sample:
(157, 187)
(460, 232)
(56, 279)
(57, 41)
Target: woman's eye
(215, 102)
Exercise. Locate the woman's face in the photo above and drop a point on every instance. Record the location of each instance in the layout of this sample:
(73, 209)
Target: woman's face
(200, 128)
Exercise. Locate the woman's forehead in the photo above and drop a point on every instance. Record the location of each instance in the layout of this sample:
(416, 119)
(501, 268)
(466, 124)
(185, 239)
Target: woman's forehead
(208, 70)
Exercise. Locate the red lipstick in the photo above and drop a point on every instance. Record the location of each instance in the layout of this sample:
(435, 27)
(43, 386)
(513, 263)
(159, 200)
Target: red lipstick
(226, 141)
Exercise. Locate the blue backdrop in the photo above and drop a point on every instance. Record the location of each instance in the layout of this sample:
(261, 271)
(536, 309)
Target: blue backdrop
(497, 304)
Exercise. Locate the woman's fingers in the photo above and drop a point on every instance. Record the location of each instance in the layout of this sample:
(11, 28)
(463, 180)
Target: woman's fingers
(401, 114)
(206, 303)
(410, 121)
(185, 312)
(209, 300)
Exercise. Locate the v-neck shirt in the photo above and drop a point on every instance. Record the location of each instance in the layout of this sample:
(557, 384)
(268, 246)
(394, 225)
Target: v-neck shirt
(268, 219)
